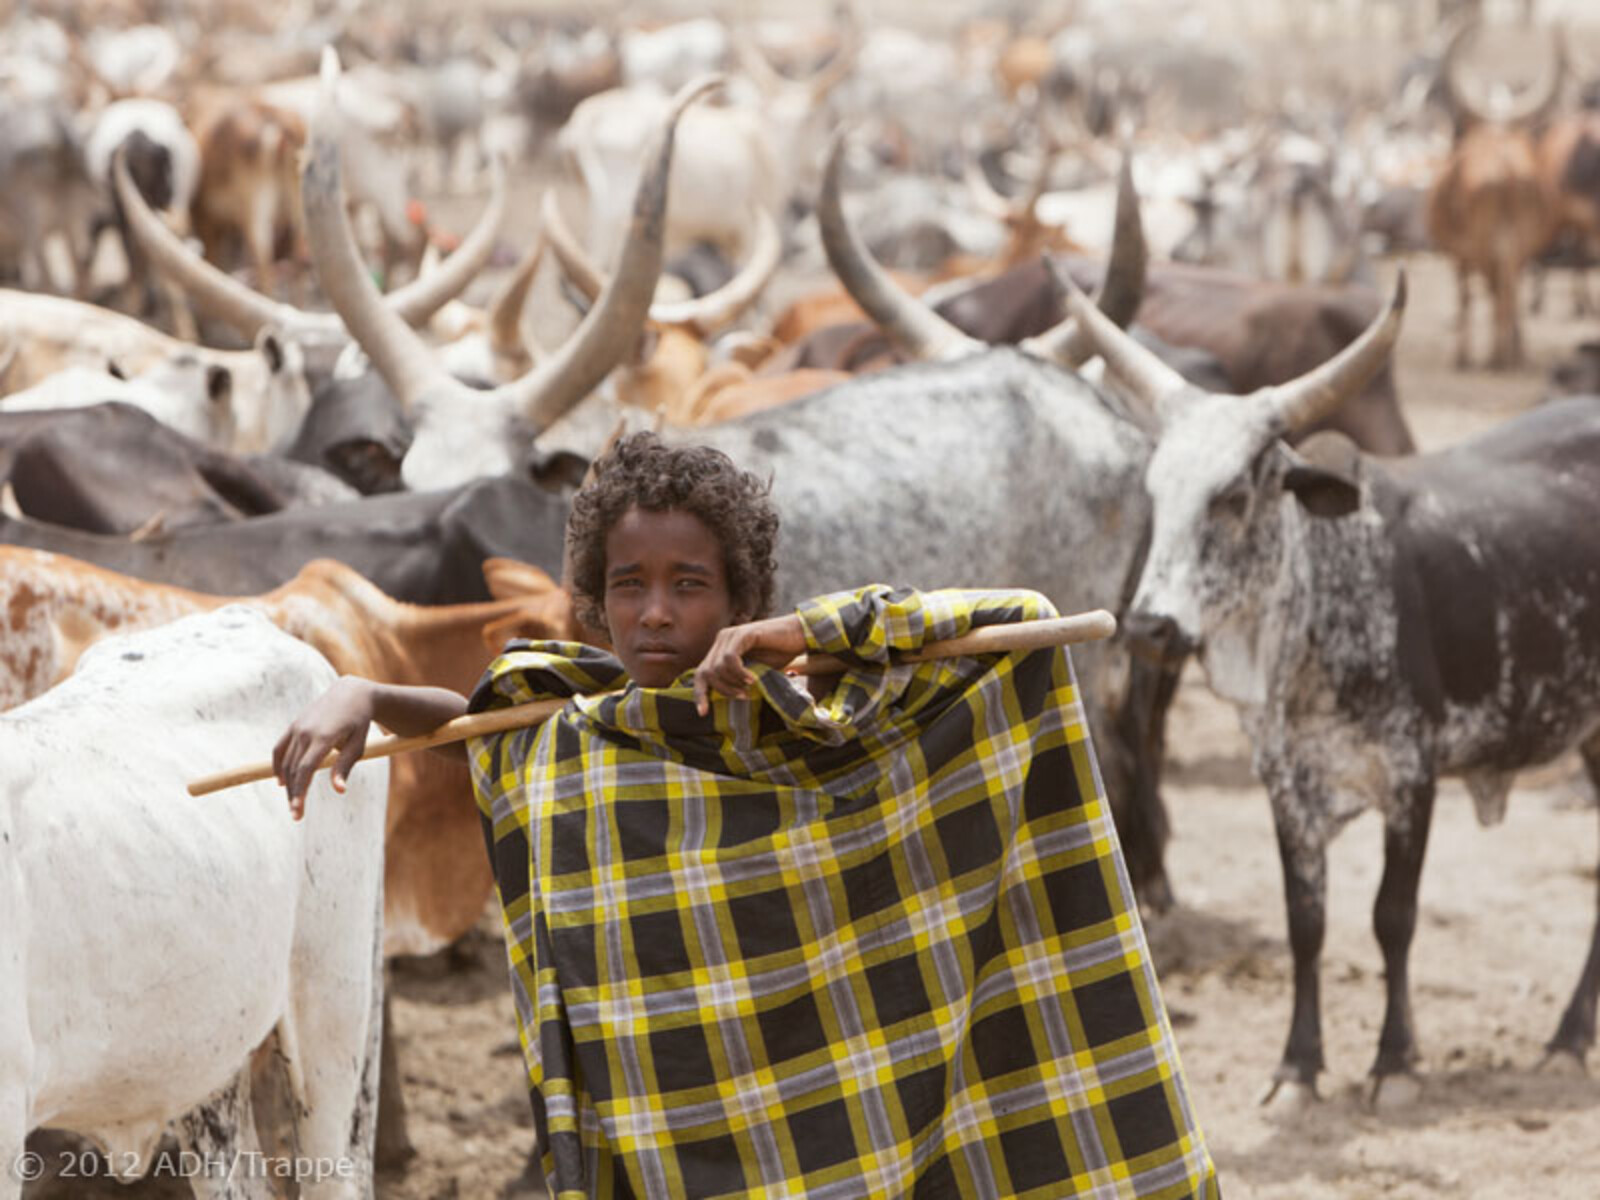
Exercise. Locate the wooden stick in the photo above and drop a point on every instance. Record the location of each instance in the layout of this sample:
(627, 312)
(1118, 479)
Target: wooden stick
(991, 639)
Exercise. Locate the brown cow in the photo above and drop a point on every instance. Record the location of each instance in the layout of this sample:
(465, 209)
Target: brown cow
(248, 200)
(1487, 209)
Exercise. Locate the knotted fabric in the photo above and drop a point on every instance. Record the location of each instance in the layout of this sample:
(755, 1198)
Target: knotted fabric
(881, 944)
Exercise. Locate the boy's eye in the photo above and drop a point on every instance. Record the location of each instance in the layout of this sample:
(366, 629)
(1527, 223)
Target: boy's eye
(691, 582)
(624, 583)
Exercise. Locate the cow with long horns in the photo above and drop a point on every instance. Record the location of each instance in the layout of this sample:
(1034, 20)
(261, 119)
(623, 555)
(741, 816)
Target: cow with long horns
(1488, 209)
(1378, 623)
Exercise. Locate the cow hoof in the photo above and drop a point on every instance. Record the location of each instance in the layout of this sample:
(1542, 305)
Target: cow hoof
(1563, 1063)
(1289, 1096)
(1394, 1093)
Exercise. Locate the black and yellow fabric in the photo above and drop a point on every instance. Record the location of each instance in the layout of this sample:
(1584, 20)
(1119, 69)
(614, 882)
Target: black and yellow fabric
(883, 944)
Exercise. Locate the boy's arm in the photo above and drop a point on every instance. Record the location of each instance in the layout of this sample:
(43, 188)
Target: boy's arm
(872, 624)
(338, 720)
(773, 641)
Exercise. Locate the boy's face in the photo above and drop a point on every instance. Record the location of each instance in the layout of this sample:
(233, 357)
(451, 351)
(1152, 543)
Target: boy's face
(666, 595)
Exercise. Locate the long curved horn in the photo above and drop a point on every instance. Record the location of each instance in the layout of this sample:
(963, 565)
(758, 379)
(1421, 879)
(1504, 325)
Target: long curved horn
(505, 308)
(1534, 104)
(1456, 85)
(219, 293)
(919, 330)
(248, 311)
(722, 306)
(612, 325)
(1319, 391)
(1121, 291)
(580, 268)
(768, 80)
(426, 295)
(844, 61)
(395, 349)
(1023, 209)
(987, 201)
(1154, 386)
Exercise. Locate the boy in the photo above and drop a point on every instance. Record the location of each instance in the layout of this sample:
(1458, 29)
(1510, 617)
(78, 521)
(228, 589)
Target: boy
(880, 943)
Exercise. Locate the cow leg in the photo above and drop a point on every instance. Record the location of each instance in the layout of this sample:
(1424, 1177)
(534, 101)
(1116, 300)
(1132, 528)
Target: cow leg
(1463, 315)
(1303, 852)
(1575, 1035)
(261, 236)
(1394, 921)
(332, 1036)
(1582, 302)
(394, 1149)
(220, 1135)
(13, 1140)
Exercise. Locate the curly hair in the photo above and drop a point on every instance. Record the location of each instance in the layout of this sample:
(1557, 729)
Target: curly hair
(641, 472)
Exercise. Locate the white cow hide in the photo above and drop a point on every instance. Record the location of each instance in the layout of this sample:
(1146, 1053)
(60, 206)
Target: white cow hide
(151, 941)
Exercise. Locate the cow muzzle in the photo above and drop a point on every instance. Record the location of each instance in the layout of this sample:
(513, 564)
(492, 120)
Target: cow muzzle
(1157, 638)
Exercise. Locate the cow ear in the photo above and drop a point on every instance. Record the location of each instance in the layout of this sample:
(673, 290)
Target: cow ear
(1321, 492)
(272, 349)
(1324, 475)
(557, 470)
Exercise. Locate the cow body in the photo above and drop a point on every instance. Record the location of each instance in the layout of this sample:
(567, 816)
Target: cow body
(1569, 170)
(152, 940)
(1378, 624)
(246, 205)
(111, 468)
(437, 878)
(730, 162)
(1489, 212)
(423, 548)
(1259, 333)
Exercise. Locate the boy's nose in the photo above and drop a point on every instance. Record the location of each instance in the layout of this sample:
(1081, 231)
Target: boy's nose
(657, 611)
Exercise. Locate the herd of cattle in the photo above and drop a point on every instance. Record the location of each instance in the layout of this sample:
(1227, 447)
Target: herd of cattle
(1214, 445)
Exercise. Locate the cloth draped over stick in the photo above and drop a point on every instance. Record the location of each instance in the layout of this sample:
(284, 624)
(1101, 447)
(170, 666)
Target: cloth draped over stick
(879, 944)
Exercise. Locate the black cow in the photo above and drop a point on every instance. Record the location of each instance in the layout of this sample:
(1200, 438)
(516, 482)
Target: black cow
(1200, 320)
(421, 547)
(113, 468)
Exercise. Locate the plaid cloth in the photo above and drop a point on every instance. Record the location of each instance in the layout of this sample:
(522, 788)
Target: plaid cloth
(880, 945)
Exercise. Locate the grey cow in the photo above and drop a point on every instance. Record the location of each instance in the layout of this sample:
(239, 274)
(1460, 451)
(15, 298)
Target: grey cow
(1377, 623)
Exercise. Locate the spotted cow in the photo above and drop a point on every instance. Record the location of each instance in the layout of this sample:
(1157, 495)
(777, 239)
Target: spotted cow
(1378, 623)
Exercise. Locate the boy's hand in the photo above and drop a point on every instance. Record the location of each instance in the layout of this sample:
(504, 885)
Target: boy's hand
(773, 641)
(336, 720)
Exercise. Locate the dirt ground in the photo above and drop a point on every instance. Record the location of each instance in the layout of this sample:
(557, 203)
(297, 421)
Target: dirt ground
(1506, 918)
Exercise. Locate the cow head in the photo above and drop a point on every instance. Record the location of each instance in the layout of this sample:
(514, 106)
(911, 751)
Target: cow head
(1218, 480)
(1473, 102)
(462, 434)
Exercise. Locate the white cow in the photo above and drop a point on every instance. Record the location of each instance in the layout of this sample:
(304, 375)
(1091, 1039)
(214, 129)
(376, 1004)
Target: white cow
(151, 941)
(193, 397)
(42, 335)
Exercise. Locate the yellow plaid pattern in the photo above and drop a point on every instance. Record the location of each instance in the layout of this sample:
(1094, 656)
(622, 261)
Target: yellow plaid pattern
(880, 945)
